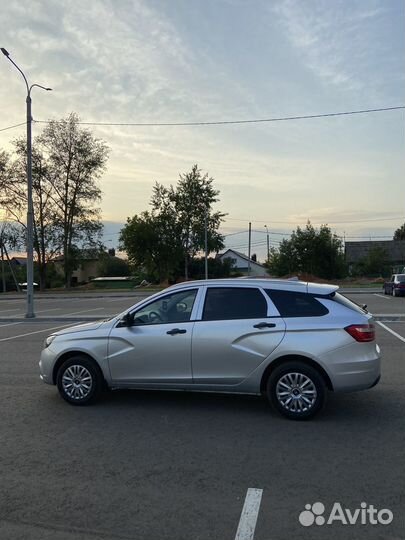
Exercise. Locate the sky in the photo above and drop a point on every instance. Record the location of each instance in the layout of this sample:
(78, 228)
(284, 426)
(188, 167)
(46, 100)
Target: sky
(208, 60)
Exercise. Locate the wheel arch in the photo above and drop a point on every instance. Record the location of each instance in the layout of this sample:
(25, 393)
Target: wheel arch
(70, 354)
(294, 358)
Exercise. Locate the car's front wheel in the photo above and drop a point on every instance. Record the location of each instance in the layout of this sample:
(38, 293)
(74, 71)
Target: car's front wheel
(79, 381)
(296, 390)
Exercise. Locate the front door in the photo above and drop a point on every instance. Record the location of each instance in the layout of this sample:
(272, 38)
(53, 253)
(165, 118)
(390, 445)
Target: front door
(156, 348)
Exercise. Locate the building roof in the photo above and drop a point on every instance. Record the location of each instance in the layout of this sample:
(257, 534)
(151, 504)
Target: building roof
(22, 261)
(241, 255)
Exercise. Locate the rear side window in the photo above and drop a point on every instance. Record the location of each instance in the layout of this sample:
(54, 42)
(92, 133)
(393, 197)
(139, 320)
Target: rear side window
(234, 303)
(296, 304)
(340, 299)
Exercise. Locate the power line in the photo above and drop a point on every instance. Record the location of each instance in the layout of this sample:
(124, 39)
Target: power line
(326, 222)
(12, 127)
(227, 122)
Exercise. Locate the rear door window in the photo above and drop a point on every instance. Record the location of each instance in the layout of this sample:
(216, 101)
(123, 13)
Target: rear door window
(226, 303)
(296, 304)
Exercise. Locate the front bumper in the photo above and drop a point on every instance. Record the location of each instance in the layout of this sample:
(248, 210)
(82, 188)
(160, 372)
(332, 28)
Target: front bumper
(46, 364)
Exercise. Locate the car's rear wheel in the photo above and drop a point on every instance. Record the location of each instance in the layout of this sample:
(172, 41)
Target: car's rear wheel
(79, 381)
(296, 390)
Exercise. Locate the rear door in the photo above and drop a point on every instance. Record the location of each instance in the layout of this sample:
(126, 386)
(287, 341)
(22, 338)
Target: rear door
(239, 328)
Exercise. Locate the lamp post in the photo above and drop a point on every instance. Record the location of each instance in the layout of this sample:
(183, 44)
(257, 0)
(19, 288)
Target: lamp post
(30, 214)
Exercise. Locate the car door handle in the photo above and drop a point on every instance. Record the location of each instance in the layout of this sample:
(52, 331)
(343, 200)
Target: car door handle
(264, 325)
(176, 331)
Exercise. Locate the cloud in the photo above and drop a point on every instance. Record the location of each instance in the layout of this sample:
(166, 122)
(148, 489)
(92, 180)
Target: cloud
(335, 39)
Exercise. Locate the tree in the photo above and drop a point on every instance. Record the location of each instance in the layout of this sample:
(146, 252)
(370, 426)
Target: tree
(318, 252)
(400, 233)
(375, 264)
(76, 160)
(10, 239)
(174, 229)
(151, 242)
(67, 162)
(191, 203)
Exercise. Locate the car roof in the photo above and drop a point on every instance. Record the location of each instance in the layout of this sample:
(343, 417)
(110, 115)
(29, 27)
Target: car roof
(280, 284)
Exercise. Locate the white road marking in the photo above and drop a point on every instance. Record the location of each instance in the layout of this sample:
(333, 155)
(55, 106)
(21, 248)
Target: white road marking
(121, 299)
(44, 310)
(84, 311)
(250, 512)
(391, 331)
(10, 324)
(383, 296)
(36, 332)
(4, 310)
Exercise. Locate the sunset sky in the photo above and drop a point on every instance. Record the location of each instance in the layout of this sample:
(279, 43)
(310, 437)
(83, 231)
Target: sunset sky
(194, 60)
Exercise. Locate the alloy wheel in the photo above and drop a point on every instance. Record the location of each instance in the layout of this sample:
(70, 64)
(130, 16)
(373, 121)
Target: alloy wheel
(296, 392)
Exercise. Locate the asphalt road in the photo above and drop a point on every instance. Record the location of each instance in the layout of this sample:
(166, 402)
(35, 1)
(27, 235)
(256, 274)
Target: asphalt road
(168, 465)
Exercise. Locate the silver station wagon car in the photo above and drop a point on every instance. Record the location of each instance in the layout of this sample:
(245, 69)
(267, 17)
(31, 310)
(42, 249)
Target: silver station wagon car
(290, 340)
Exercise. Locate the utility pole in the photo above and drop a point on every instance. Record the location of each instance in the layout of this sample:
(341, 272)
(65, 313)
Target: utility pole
(30, 214)
(268, 244)
(250, 242)
(206, 244)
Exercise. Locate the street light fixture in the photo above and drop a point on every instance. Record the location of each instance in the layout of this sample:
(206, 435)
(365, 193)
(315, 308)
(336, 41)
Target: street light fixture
(30, 214)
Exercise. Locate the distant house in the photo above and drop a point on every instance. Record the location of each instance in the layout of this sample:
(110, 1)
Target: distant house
(240, 263)
(355, 252)
(19, 261)
(88, 268)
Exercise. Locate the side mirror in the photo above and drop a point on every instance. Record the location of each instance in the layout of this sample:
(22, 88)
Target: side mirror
(127, 319)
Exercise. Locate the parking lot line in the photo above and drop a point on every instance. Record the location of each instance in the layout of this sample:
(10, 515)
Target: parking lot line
(383, 296)
(35, 332)
(84, 311)
(10, 324)
(391, 331)
(250, 512)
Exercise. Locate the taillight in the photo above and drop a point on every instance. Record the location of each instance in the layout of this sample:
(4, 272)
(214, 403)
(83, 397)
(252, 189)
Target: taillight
(361, 332)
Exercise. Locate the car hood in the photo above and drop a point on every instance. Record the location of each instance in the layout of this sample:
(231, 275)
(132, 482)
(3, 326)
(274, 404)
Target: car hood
(80, 328)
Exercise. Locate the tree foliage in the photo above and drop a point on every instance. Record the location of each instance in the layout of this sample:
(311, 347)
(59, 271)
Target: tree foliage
(67, 162)
(172, 233)
(375, 264)
(314, 251)
(400, 233)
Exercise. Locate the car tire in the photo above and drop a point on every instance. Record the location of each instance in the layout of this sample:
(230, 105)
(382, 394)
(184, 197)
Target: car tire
(79, 381)
(297, 390)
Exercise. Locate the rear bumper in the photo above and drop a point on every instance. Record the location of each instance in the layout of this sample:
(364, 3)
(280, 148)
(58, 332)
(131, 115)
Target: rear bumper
(354, 369)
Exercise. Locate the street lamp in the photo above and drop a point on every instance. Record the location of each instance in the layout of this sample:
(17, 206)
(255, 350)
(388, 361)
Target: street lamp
(30, 217)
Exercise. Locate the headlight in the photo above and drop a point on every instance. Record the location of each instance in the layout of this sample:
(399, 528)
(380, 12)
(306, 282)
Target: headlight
(48, 341)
